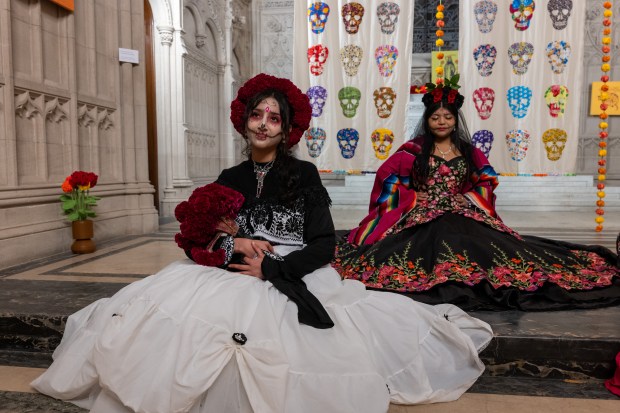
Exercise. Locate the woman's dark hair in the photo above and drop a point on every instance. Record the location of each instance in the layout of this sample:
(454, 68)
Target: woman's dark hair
(420, 170)
(288, 176)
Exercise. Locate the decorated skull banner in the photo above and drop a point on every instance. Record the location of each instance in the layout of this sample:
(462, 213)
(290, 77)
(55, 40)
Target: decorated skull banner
(349, 98)
(384, 98)
(484, 56)
(386, 56)
(518, 141)
(317, 56)
(387, 13)
(347, 141)
(558, 53)
(519, 100)
(522, 12)
(559, 11)
(352, 14)
(318, 98)
(555, 142)
(520, 55)
(483, 140)
(317, 16)
(484, 97)
(382, 140)
(315, 139)
(351, 58)
(485, 12)
(556, 97)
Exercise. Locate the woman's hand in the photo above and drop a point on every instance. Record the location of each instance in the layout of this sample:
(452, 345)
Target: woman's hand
(247, 246)
(461, 200)
(421, 196)
(253, 263)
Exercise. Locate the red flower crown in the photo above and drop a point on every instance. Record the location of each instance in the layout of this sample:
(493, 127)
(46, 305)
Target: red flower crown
(298, 100)
(447, 91)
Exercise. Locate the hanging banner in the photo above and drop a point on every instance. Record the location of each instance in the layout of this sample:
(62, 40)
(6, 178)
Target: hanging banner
(354, 61)
(67, 4)
(521, 75)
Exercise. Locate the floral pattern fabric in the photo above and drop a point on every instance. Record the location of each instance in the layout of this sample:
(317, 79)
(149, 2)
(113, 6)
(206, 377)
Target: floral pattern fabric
(440, 242)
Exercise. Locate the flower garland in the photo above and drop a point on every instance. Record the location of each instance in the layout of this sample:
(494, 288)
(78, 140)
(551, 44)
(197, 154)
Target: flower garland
(603, 125)
(439, 42)
(299, 101)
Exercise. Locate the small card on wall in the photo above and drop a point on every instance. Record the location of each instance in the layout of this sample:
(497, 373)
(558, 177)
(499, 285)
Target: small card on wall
(128, 56)
(613, 99)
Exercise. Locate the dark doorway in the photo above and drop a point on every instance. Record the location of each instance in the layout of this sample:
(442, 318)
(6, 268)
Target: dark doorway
(151, 108)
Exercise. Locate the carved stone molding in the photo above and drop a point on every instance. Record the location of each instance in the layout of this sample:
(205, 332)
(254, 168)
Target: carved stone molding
(54, 109)
(87, 115)
(104, 118)
(25, 104)
(216, 17)
(282, 4)
(166, 35)
(197, 139)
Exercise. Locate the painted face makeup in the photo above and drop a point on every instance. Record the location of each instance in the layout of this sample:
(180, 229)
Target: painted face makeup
(264, 125)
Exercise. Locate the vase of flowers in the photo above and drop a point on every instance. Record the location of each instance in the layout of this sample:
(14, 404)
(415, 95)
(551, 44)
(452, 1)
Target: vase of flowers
(77, 203)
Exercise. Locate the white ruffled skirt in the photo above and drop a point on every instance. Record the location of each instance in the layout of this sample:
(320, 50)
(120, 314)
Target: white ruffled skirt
(165, 344)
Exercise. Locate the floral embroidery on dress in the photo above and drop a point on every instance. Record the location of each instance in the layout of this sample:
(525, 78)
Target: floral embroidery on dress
(444, 182)
(583, 271)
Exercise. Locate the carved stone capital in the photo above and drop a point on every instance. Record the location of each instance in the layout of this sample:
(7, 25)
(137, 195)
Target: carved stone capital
(54, 109)
(87, 115)
(200, 40)
(166, 35)
(104, 119)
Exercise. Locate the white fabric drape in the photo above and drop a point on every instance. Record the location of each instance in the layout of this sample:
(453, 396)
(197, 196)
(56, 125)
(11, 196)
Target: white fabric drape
(334, 146)
(550, 75)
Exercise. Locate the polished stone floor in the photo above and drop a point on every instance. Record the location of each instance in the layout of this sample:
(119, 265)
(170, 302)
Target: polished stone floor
(537, 362)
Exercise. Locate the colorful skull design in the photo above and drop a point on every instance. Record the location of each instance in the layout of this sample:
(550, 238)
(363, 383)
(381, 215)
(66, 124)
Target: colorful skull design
(518, 141)
(522, 12)
(382, 140)
(347, 141)
(484, 97)
(318, 98)
(349, 98)
(520, 56)
(555, 142)
(317, 16)
(387, 13)
(556, 97)
(483, 140)
(384, 98)
(351, 58)
(558, 53)
(386, 56)
(317, 56)
(352, 14)
(485, 12)
(484, 56)
(315, 139)
(519, 99)
(559, 11)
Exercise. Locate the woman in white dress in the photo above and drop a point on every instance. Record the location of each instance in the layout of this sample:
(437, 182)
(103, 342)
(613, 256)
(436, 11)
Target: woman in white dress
(265, 324)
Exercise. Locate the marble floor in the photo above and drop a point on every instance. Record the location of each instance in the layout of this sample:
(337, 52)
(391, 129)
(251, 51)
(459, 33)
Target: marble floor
(61, 284)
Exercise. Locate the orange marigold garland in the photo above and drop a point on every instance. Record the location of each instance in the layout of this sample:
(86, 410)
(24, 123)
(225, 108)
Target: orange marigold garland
(439, 42)
(603, 125)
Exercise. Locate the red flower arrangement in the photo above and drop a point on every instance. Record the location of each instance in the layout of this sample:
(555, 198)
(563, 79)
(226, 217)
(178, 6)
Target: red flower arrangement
(76, 200)
(302, 111)
(446, 91)
(209, 213)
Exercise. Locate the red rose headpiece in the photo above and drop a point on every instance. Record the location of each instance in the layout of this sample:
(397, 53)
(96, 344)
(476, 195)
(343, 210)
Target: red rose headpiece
(447, 91)
(209, 213)
(301, 113)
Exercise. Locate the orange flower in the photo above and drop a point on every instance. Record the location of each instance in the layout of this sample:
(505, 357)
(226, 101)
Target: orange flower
(66, 186)
(440, 7)
(606, 58)
(440, 55)
(440, 33)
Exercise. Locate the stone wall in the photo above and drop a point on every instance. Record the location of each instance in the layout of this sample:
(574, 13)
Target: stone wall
(66, 103)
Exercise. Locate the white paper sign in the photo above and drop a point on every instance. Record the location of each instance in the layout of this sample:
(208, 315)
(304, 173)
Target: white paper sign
(128, 55)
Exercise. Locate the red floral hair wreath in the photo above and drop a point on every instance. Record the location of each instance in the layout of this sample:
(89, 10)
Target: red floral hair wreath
(298, 100)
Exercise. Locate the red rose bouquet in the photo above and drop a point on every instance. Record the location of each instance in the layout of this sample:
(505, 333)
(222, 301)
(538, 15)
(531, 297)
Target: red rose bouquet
(208, 214)
(76, 200)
